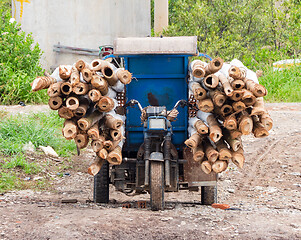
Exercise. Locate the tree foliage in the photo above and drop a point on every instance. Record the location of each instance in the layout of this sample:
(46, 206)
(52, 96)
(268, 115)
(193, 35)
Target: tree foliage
(257, 32)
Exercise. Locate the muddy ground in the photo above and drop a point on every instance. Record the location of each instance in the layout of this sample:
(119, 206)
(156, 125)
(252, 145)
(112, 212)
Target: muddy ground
(265, 197)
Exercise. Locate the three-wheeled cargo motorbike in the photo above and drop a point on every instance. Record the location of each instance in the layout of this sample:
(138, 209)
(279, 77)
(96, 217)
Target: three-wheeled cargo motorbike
(155, 159)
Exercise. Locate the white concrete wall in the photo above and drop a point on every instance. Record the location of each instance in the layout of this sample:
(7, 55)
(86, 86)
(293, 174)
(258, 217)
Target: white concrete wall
(80, 23)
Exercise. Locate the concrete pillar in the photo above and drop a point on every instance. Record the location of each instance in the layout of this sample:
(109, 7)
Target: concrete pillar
(160, 15)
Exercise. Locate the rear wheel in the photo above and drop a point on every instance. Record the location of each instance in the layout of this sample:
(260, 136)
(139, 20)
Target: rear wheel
(208, 195)
(101, 185)
(157, 185)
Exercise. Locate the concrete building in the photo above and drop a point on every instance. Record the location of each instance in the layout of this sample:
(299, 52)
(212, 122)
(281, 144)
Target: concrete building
(80, 23)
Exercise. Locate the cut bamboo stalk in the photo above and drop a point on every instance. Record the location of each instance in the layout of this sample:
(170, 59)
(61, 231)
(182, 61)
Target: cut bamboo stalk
(226, 85)
(55, 102)
(259, 129)
(193, 141)
(237, 95)
(87, 122)
(116, 135)
(54, 89)
(103, 153)
(257, 89)
(74, 77)
(82, 108)
(124, 76)
(42, 82)
(211, 81)
(94, 95)
(235, 134)
(108, 145)
(205, 105)
(97, 144)
(248, 98)
(66, 88)
(224, 152)
(199, 93)
(214, 129)
(112, 122)
(201, 127)
(70, 130)
(206, 167)
(197, 68)
(72, 103)
(65, 112)
(87, 74)
(238, 157)
(105, 104)
(258, 107)
(219, 166)
(64, 72)
(245, 123)
(230, 122)
(210, 152)
(100, 84)
(225, 110)
(238, 106)
(115, 157)
(266, 120)
(236, 84)
(235, 73)
(235, 143)
(214, 66)
(96, 166)
(81, 140)
(198, 153)
(96, 64)
(93, 132)
(109, 74)
(81, 88)
(218, 97)
(80, 65)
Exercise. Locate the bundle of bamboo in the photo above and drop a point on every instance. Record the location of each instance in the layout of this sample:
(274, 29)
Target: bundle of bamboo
(85, 95)
(230, 103)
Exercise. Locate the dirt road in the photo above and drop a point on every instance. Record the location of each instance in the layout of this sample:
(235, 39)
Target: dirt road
(265, 198)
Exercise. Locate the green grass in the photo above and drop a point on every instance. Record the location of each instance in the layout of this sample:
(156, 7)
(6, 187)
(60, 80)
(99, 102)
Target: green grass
(282, 86)
(15, 131)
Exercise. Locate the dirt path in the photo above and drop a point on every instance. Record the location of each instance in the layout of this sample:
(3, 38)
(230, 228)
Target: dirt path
(265, 197)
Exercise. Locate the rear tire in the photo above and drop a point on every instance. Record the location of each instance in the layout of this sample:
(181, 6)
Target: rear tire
(101, 185)
(208, 195)
(157, 185)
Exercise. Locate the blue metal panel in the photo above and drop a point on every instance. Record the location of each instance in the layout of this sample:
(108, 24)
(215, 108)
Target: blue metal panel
(157, 80)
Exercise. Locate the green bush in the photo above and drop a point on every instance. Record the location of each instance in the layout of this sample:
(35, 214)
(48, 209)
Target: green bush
(256, 32)
(19, 62)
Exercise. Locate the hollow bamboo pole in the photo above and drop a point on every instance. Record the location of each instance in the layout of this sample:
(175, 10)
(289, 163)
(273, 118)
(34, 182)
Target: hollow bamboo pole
(219, 166)
(87, 74)
(214, 66)
(235, 143)
(257, 89)
(97, 144)
(266, 120)
(236, 84)
(197, 68)
(235, 134)
(93, 132)
(72, 103)
(206, 105)
(55, 102)
(259, 129)
(199, 93)
(210, 152)
(64, 72)
(112, 122)
(215, 132)
(115, 157)
(54, 89)
(230, 122)
(82, 109)
(80, 65)
(237, 95)
(88, 121)
(258, 107)
(116, 135)
(100, 84)
(96, 64)
(238, 106)
(206, 167)
(96, 166)
(225, 110)
(224, 152)
(198, 153)
(74, 77)
(70, 130)
(42, 82)
(235, 72)
(105, 104)
(124, 76)
(66, 88)
(81, 88)
(109, 74)
(218, 97)
(245, 123)
(238, 157)
(108, 145)
(248, 98)
(81, 140)
(94, 95)
(211, 81)
(65, 112)
(103, 153)
(201, 127)
(226, 85)
(193, 141)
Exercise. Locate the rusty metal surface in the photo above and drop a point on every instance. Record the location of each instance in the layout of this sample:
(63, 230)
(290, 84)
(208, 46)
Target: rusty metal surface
(193, 173)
